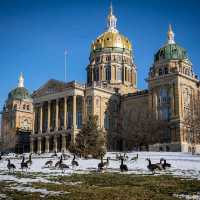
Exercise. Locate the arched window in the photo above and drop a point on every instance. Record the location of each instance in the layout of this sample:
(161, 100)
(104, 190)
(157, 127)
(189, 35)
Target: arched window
(96, 74)
(24, 106)
(108, 73)
(28, 107)
(119, 74)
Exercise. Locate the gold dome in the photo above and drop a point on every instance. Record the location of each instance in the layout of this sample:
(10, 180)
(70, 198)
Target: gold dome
(111, 39)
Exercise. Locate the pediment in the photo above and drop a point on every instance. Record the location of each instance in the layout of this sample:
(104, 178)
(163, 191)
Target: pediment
(50, 87)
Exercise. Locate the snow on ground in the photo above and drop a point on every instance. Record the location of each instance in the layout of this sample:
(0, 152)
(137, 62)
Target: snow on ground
(183, 164)
(188, 197)
(43, 192)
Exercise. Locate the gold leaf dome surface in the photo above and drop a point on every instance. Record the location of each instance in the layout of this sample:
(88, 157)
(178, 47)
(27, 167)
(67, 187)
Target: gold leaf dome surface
(111, 39)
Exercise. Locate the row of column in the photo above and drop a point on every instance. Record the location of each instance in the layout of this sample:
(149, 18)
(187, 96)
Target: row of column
(127, 75)
(38, 141)
(74, 112)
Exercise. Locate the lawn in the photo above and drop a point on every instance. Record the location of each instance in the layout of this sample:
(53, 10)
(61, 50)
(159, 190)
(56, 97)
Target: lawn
(101, 186)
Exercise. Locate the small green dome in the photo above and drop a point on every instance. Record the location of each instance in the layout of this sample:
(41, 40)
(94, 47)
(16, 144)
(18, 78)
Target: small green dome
(170, 52)
(19, 93)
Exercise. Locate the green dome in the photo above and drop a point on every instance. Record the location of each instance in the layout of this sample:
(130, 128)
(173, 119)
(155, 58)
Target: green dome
(19, 93)
(170, 52)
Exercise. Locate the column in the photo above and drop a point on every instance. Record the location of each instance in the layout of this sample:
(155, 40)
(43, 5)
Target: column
(33, 124)
(155, 103)
(63, 149)
(102, 73)
(124, 74)
(47, 144)
(74, 120)
(49, 117)
(92, 69)
(39, 145)
(74, 111)
(57, 107)
(55, 143)
(65, 113)
(31, 144)
(41, 113)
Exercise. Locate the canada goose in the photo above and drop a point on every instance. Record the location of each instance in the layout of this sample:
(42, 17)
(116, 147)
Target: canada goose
(74, 162)
(106, 164)
(123, 167)
(63, 167)
(29, 161)
(152, 167)
(10, 166)
(49, 163)
(59, 162)
(135, 158)
(101, 165)
(165, 164)
(24, 165)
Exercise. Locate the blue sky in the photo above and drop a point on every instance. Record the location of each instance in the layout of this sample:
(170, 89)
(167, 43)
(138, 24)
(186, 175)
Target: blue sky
(34, 33)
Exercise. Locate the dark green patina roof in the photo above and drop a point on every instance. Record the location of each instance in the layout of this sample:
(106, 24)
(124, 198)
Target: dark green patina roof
(19, 93)
(170, 52)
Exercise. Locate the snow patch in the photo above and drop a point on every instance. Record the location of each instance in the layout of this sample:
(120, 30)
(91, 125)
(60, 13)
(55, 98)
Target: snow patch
(3, 196)
(43, 192)
(188, 197)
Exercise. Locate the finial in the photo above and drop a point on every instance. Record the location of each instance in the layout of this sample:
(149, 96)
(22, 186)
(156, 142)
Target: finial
(170, 35)
(111, 8)
(21, 80)
(112, 20)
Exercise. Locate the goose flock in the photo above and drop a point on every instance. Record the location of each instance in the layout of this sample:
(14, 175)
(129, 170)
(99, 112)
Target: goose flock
(58, 162)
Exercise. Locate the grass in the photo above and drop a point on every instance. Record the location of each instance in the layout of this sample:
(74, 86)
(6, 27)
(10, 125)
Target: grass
(109, 186)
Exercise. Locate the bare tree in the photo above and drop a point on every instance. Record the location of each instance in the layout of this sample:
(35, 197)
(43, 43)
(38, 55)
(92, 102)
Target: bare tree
(192, 122)
(142, 129)
(137, 127)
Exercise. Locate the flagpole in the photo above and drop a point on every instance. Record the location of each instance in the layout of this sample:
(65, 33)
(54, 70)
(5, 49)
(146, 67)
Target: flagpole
(65, 53)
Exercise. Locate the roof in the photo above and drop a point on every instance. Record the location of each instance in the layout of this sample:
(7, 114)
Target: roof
(19, 93)
(170, 52)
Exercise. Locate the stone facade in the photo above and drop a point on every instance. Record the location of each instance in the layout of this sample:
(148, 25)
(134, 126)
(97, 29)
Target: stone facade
(57, 110)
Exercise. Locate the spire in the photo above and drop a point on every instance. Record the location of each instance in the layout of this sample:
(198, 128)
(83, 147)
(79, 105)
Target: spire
(112, 20)
(170, 35)
(21, 80)
(111, 8)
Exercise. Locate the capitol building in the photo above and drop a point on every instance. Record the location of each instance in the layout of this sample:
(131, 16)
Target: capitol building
(49, 119)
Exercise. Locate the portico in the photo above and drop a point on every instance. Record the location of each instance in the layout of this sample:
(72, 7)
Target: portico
(58, 116)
